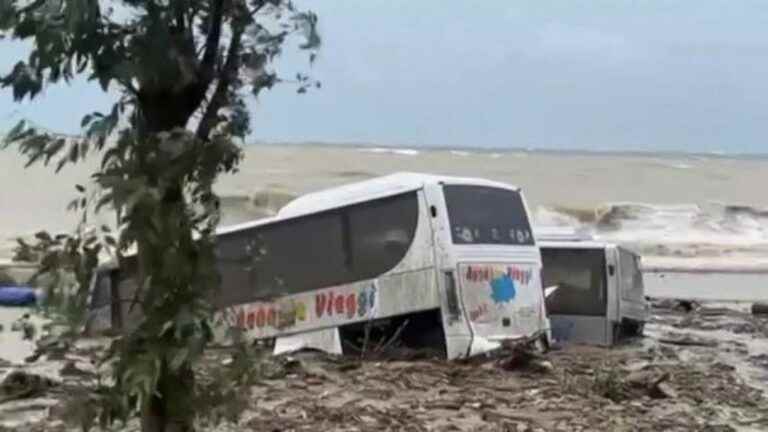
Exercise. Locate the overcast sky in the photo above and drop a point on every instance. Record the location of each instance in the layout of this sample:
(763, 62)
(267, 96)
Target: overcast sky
(598, 75)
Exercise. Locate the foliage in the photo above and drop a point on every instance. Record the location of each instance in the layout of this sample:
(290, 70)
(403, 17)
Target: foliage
(65, 266)
(183, 69)
(608, 382)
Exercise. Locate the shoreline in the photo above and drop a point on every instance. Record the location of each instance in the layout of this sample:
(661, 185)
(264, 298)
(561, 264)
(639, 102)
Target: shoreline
(367, 146)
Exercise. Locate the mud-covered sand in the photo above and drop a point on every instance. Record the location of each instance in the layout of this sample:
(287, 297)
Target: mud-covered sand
(703, 370)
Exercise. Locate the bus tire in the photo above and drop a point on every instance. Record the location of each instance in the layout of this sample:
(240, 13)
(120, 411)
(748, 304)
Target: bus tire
(541, 345)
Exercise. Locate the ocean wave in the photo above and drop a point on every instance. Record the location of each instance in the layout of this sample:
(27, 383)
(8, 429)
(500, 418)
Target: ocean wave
(460, 153)
(262, 203)
(676, 164)
(355, 174)
(682, 231)
(391, 150)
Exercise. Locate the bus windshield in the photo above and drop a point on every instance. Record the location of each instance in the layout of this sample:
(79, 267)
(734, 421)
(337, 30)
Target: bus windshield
(487, 215)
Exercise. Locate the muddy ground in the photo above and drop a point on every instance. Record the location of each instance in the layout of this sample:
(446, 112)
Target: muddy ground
(703, 369)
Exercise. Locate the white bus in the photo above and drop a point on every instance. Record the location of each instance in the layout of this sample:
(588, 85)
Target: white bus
(456, 257)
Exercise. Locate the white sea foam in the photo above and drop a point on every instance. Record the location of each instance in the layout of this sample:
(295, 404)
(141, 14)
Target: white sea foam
(397, 151)
(714, 236)
(676, 164)
(460, 153)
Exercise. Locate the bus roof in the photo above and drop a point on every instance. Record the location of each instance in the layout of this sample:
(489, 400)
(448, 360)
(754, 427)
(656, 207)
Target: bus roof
(379, 187)
(588, 244)
(353, 193)
(557, 237)
(560, 233)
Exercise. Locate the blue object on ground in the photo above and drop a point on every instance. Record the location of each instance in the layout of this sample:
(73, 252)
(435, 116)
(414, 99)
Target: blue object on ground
(17, 296)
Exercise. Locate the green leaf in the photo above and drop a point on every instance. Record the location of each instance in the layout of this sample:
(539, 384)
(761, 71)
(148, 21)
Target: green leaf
(73, 153)
(73, 205)
(43, 236)
(54, 148)
(86, 120)
(14, 133)
(62, 162)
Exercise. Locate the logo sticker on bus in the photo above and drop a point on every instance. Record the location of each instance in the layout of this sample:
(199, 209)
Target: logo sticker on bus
(332, 304)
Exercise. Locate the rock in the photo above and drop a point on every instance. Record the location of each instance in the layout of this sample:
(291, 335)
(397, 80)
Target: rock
(760, 360)
(28, 331)
(687, 305)
(652, 384)
(641, 378)
(53, 347)
(680, 305)
(523, 357)
(715, 311)
(544, 366)
(760, 308)
(71, 370)
(21, 385)
(662, 391)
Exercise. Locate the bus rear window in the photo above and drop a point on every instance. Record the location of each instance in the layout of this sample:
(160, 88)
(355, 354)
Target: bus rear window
(486, 215)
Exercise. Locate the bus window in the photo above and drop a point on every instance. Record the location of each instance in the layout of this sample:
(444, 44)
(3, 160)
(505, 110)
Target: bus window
(381, 232)
(631, 277)
(485, 215)
(581, 277)
(340, 246)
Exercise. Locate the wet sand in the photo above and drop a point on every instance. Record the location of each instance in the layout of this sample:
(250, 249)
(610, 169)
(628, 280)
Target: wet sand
(730, 287)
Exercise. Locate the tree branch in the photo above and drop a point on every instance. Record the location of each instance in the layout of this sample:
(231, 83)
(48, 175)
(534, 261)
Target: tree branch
(208, 62)
(257, 9)
(129, 86)
(34, 5)
(219, 98)
(181, 21)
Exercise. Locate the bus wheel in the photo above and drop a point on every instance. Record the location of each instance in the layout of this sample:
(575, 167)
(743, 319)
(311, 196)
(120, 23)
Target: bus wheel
(541, 345)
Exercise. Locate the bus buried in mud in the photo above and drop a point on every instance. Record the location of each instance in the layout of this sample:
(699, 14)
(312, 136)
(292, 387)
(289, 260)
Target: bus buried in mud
(600, 296)
(434, 260)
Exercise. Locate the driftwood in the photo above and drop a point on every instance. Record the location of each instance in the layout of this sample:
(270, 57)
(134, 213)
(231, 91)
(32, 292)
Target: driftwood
(688, 341)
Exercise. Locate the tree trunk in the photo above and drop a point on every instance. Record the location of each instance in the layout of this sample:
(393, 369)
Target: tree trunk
(172, 410)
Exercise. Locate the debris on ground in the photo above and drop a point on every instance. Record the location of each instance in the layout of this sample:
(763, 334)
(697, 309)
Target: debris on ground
(22, 385)
(704, 369)
(760, 308)
(687, 340)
